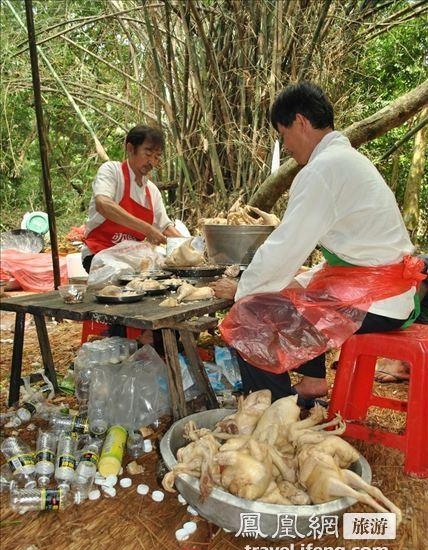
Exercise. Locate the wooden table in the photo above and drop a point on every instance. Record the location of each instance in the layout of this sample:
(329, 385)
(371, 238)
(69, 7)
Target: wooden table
(187, 319)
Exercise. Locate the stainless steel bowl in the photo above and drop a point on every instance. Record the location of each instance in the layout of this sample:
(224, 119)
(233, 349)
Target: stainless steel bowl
(224, 509)
(234, 244)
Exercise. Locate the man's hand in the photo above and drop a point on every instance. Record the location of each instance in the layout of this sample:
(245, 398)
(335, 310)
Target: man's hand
(225, 288)
(154, 236)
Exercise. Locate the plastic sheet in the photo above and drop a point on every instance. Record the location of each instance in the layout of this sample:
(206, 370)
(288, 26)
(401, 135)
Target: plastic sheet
(34, 272)
(277, 332)
(124, 258)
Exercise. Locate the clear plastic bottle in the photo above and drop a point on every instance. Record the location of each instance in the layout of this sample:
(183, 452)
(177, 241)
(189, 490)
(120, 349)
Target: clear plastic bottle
(99, 394)
(27, 500)
(82, 379)
(87, 467)
(45, 457)
(20, 459)
(69, 423)
(135, 445)
(65, 463)
(34, 403)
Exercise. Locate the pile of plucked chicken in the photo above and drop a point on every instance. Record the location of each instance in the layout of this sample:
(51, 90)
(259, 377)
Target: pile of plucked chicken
(242, 214)
(264, 452)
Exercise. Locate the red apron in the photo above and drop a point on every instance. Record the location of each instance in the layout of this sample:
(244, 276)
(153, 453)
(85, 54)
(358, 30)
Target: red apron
(110, 233)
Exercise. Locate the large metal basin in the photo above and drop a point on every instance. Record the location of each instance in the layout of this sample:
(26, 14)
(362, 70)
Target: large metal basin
(234, 244)
(224, 509)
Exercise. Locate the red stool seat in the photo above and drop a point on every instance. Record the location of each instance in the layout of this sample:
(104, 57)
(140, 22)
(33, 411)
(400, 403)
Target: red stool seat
(101, 329)
(352, 391)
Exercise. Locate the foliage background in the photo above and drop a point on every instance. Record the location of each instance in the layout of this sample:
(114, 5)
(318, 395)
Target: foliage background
(188, 66)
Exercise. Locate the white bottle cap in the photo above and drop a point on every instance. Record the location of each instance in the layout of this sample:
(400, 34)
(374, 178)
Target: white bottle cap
(143, 489)
(110, 491)
(192, 511)
(190, 527)
(148, 447)
(125, 482)
(94, 495)
(181, 499)
(110, 480)
(181, 534)
(158, 496)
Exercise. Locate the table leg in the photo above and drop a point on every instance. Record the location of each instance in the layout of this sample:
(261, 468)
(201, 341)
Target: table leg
(45, 349)
(197, 368)
(16, 367)
(175, 382)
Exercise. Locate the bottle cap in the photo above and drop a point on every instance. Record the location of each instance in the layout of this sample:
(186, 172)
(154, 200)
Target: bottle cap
(42, 481)
(158, 496)
(125, 482)
(181, 534)
(190, 527)
(143, 489)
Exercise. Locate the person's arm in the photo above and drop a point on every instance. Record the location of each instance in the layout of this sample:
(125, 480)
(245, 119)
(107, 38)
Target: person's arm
(309, 215)
(115, 213)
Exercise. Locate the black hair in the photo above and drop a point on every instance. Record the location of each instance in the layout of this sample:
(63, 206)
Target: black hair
(141, 133)
(305, 98)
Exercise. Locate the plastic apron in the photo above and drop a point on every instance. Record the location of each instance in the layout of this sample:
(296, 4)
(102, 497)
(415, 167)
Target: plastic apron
(278, 331)
(110, 233)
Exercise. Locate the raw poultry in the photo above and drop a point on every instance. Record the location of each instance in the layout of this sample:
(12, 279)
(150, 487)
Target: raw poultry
(241, 214)
(270, 455)
(185, 255)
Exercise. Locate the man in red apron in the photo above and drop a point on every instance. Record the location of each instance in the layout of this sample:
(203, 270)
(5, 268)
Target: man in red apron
(339, 202)
(125, 204)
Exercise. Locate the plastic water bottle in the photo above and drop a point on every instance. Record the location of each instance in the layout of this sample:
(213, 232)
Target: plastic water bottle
(69, 423)
(35, 403)
(99, 393)
(82, 379)
(45, 457)
(87, 467)
(20, 459)
(135, 445)
(26, 500)
(65, 463)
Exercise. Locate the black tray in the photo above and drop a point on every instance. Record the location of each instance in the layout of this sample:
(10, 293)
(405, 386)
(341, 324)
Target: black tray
(157, 275)
(199, 271)
(157, 291)
(120, 299)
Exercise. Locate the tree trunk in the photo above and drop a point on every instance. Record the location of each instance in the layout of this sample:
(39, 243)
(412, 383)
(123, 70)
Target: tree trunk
(414, 179)
(358, 133)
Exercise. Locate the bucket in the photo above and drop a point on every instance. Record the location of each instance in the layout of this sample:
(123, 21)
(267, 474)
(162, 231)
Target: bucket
(234, 244)
(75, 270)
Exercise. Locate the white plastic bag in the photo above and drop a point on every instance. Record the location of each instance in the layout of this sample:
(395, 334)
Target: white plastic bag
(124, 258)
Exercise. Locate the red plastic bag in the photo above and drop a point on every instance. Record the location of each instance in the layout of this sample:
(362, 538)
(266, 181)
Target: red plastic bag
(34, 272)
(278, 331)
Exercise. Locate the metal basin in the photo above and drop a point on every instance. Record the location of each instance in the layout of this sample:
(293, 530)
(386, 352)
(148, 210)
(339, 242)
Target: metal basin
(224, 509)
(234, 244)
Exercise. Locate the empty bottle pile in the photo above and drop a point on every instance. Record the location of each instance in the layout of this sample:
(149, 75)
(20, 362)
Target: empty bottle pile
(119, 389)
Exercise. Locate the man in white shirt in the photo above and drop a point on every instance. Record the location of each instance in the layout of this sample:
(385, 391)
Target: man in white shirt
(125, 204)
(338, 201)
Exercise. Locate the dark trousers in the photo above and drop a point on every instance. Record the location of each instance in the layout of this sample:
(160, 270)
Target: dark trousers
(254, 379)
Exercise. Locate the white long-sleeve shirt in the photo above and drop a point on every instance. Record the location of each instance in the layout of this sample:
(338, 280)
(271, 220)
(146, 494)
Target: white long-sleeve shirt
(340, 201)
(109, 181)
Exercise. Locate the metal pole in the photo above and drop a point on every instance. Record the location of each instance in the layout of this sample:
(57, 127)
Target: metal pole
(42, 141)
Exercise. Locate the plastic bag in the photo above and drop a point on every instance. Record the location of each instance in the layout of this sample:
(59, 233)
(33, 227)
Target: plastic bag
(124, 258)
(279, 331)
(227, 362)
(34, 272)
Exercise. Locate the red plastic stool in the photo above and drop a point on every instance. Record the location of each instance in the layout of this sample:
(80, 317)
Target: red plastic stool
(352, 391)
(101, 329)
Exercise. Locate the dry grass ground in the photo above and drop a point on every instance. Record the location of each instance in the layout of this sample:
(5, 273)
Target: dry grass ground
(135, 522)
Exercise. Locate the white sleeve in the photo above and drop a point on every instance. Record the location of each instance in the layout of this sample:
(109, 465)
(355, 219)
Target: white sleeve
(309, 215)
(106, 181)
